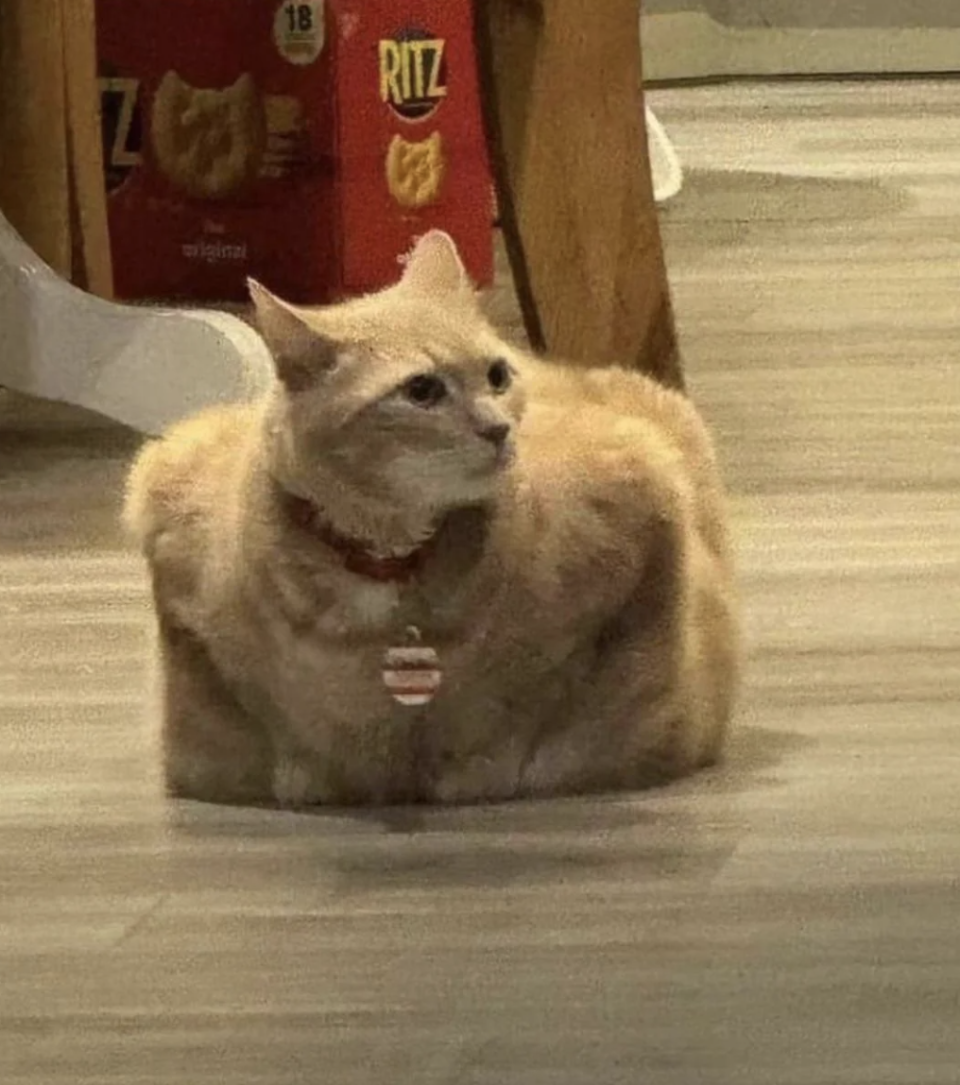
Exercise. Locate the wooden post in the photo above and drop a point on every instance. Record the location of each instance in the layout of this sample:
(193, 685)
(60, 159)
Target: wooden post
(563, 106)
(34, 188)
(51, 168)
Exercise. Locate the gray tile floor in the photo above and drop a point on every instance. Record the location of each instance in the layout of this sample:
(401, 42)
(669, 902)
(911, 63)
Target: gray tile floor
(790, 920)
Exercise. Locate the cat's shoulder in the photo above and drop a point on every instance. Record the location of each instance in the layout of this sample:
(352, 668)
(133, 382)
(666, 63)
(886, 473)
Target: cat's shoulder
(613, 388)
(173, 475)
(625, 394)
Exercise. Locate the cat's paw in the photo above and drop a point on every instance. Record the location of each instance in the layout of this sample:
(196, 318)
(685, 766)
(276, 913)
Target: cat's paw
(294, 784)
(479, 779)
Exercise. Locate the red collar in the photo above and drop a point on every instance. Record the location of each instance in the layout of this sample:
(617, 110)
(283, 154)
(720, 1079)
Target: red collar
(355, 553)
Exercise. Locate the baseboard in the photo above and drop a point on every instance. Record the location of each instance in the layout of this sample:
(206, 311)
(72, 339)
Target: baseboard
(691, 45)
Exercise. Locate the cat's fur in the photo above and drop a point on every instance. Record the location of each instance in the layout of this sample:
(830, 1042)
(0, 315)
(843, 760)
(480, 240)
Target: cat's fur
(580, 596)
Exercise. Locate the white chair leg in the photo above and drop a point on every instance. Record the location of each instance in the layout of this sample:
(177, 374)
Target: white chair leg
(664, 163)
(142, 367)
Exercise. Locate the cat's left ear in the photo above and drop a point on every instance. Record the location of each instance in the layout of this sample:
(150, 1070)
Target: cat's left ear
(434, 268)
(301, 354)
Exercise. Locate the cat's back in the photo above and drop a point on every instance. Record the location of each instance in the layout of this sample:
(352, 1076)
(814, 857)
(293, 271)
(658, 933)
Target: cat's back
(629, 426)
(626, 394)
(187, 476)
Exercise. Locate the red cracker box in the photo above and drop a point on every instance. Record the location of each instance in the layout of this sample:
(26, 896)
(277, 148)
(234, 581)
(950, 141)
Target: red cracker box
(304, 143)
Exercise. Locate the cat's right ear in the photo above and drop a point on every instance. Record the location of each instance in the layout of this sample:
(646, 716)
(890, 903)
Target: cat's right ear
(300, 353)
(434, 267)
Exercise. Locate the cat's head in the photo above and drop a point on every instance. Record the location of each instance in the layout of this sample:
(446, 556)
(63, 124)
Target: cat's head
(408, 396)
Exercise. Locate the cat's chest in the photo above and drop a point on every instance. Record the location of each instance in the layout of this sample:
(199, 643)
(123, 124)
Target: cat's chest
(328, 662)
(369, 607)
(319, 679)
(324, 655)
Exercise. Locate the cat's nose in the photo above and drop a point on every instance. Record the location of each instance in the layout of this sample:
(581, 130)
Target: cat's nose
(496, 434)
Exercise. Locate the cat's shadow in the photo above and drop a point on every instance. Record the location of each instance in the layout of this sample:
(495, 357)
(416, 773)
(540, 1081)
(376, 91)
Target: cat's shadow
(686, 831)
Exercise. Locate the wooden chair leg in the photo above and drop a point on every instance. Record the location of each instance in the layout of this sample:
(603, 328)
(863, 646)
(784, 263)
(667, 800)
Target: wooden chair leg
(92, 262)
(563, 107)
(51, 184)
(34, 178)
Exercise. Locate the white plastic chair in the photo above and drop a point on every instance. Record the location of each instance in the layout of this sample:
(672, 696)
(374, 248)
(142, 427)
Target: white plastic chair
(143, 367)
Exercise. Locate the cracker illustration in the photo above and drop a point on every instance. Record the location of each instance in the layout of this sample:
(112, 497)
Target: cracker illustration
(208, 142)
(415, 171)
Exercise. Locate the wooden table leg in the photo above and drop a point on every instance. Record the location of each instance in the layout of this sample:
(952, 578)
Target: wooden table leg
(34, 177)
(51, 180)
(563, 106)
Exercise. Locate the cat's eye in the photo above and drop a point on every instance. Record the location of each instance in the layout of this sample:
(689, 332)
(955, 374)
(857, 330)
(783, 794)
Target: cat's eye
(425, 390)
(499, 376)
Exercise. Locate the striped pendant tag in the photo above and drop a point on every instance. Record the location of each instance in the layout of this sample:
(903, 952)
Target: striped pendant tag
(412, 673)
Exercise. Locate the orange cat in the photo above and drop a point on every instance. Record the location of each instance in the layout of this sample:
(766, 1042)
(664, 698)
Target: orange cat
(557, 536)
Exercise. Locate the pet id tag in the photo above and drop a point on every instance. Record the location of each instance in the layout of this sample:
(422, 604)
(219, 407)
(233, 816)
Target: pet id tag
(412, 673)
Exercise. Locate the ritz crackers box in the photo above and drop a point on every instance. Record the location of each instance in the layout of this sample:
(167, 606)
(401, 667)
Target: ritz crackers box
(306, 144)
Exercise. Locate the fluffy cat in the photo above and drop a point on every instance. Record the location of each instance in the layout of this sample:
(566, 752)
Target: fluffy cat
(557, 535)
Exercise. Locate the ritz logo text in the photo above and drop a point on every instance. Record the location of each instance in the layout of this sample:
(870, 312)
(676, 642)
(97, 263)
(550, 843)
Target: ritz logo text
(413, 74)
